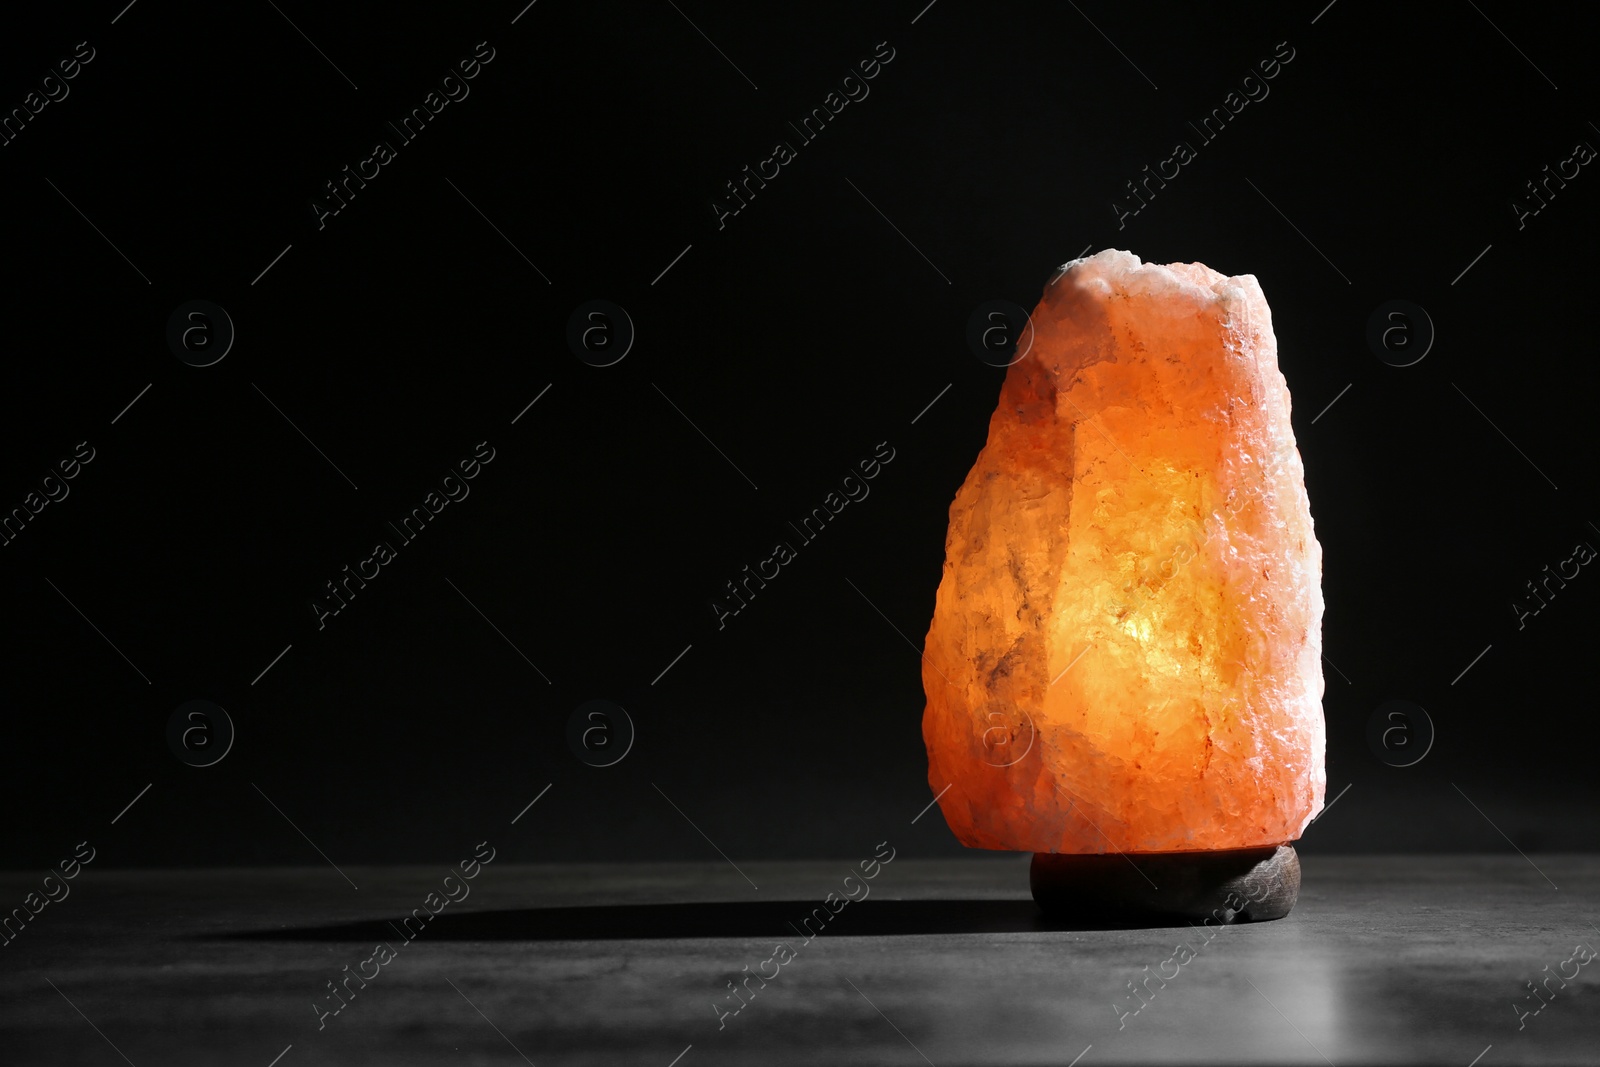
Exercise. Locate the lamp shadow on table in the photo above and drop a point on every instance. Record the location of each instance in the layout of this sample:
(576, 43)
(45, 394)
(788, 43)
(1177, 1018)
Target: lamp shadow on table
(735, 919)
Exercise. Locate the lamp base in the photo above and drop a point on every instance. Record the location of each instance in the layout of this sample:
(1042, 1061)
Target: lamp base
(1225, 885)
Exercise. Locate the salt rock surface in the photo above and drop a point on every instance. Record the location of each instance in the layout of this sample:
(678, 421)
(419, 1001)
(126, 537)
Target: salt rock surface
(1125, 653)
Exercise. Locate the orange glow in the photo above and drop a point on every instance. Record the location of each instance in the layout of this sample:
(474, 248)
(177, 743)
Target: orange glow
(1125, 653)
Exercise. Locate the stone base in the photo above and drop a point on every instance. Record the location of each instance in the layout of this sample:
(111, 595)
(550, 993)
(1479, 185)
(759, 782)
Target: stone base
(1228, 886)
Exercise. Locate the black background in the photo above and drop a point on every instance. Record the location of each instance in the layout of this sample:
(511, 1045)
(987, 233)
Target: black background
(796, 338)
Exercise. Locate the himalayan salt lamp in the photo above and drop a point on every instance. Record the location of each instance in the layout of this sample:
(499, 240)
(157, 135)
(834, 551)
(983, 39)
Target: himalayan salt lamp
(1124, 666)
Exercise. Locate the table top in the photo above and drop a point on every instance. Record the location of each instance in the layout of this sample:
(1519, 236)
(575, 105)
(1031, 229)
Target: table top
(1385, 959)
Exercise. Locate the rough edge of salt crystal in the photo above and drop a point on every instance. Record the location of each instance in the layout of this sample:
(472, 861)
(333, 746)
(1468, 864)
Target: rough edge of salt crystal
(1196, 281)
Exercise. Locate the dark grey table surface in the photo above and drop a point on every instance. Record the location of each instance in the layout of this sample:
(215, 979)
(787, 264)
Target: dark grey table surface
(1384, 960)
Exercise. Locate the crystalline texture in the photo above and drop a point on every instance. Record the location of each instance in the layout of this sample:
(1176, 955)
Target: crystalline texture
(1125, 653)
